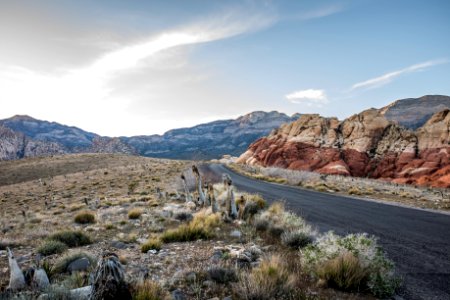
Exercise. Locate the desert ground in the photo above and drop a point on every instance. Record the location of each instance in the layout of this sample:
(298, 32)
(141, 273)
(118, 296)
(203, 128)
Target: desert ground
(69, 210)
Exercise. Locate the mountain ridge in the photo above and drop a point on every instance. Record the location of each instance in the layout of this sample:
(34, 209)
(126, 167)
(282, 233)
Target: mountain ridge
(203, 141)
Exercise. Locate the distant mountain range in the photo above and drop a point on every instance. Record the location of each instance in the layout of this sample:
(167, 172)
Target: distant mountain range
(405, 142)
(24, 136)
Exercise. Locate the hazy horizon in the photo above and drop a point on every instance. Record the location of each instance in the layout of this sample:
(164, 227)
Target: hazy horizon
(131, 68)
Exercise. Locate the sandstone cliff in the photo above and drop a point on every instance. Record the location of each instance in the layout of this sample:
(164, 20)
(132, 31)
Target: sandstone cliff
(365, 145)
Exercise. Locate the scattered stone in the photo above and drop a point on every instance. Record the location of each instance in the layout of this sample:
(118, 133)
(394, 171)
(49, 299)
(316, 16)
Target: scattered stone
(81, 264)
(119, 245)
(178, 295)
(236, 234)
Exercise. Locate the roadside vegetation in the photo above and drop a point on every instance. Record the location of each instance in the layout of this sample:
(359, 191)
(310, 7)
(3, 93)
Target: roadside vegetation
(423, 197)
(166, 238)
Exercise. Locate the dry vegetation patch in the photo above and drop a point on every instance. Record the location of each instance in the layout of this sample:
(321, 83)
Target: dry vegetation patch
(167, 245)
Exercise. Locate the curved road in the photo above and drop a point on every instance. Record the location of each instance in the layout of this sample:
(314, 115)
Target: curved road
(418, 241)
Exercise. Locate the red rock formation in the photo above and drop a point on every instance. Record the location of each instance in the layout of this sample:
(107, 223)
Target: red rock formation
(364, 145)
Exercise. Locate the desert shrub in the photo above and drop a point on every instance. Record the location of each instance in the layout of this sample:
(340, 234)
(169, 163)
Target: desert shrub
(201, 227)
(51, 247)
(276, 220)
(85, 217)
(222, 275)
(275, 230)
(261, 224)
(132, 187)
(296, 239)
(71, 238)
(343, 272)
(75, 280)
(135, 213)
(151, 244)
(255, 198)
(62, 264)
(354, 191)
(183, 216)
(380, 279)
(321, 188)
(110, 226)
(148, 290)
(270, 280)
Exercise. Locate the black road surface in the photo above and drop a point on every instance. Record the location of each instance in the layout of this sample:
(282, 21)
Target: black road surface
(418, 241)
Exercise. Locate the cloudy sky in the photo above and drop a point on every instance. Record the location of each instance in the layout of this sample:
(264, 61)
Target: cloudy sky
(119, 67)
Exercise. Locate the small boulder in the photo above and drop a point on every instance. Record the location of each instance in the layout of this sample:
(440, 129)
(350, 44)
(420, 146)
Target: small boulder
(79, 265)
(178, 295)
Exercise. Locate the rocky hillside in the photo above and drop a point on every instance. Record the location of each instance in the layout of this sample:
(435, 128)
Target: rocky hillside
(15, 145)
(210, 140)
(412, 113)
(205, 141)
(72, 138)
(364, 145)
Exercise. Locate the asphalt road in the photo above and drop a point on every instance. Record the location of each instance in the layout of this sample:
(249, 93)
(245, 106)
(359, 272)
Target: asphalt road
(418, 241)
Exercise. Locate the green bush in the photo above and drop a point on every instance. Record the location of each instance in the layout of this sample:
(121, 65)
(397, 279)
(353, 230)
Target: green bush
(85, 217)
(51, 247)
(71, 238)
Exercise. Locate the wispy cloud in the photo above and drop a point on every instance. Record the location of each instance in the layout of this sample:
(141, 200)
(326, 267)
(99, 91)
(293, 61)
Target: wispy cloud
(85, 91)
(389, 77)
(309, 97)
(321, 12)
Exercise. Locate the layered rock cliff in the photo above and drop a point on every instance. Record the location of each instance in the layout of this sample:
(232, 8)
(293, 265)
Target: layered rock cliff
(364, 145)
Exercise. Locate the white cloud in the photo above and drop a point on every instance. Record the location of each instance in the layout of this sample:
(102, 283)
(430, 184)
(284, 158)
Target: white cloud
(88, 96)
(310, 97)
(388, 77)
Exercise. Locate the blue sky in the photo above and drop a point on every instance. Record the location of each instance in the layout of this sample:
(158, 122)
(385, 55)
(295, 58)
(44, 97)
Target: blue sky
(143, 67)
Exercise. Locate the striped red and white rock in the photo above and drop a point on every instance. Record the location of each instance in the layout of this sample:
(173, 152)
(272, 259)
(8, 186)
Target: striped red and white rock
(364, 145)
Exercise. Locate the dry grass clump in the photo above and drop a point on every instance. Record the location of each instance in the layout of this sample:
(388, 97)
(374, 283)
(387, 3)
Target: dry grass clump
(71, 238)
(343, 272)
(201, 227)
(135, 213)
(85, 217)
(75, 207)
(51, 247)
(256, 198)
(151, 244)
(272, 279)
(222, 275)
(148, 290)
(353, 262)
(354, 191)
